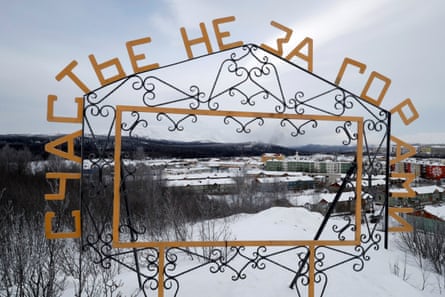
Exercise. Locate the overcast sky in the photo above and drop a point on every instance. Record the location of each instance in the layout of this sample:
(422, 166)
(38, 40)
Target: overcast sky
(401, 39)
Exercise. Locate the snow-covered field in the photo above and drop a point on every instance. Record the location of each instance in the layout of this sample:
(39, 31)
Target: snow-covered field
(387, 273)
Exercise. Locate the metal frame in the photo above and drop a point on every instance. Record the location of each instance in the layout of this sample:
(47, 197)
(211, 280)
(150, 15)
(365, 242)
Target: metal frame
(155, 263)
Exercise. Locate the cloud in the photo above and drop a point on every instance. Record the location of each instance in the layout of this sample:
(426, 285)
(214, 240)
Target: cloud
(399, 38)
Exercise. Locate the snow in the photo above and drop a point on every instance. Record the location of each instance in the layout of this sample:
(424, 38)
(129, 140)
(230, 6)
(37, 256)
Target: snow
(419, 190)
(200, 182)
(437, 210)
(376, 279)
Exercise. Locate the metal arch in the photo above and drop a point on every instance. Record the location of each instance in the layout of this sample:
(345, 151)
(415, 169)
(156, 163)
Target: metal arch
(157, 269)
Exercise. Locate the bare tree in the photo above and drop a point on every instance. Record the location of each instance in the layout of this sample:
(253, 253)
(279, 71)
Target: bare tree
(427, 245)
(29, 262)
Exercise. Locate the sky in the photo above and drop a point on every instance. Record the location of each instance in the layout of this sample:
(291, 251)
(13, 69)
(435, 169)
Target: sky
(400, 39)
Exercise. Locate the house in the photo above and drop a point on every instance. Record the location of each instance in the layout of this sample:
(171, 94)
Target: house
(424, 220)
(286, 182)
(345, 203)
(425, 195)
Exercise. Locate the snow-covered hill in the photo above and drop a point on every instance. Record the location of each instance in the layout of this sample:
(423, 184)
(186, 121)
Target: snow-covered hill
(382, 275)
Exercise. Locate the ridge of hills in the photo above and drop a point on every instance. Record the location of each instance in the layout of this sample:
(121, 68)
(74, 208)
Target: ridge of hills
(157, 148)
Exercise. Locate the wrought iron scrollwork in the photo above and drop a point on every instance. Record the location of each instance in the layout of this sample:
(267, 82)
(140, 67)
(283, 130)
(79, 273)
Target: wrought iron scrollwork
(243, 127)
(346, 128)
(151, 96)
(176, 124)
(299, 130)
(136, 123)
(227, 260)
(248, 76)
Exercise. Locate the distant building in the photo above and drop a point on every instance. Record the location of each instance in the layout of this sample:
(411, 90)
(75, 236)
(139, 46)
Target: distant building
(287, 182)
(426, 195)
(344, 205)
(433, 169)
(309, 166)
(272, 156)
(424, 220)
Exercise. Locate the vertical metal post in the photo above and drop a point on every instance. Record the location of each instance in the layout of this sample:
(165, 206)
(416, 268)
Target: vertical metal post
(129, 222)
(81, 197)
(388, 155)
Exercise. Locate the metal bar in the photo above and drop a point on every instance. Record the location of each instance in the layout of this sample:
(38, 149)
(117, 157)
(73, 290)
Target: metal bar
(132, 235)
(82, 142)
(326, 218)
(386, 204)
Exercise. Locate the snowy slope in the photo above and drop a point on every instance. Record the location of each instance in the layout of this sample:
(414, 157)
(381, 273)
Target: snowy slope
(376, 279)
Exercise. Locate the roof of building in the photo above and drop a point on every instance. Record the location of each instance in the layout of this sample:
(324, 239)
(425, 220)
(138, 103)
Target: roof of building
(438, 211)
(345, 196)
(283, 179)
(420, 190)
(200, 182)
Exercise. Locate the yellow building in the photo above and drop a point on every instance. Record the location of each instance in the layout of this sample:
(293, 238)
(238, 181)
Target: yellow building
(272, 156)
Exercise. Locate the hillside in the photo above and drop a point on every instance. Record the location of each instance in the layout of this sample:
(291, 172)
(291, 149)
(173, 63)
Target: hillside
(378, 278)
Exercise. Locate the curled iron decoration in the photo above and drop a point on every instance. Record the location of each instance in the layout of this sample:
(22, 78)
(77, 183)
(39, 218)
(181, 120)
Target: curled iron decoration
(100, 244)
(371, 165)
(232, 67)
(302, 278)
(97, 180)
(349, 134)
(243, 126)
(176, 124)
(349, 225)
(128, 228)
(104, 111)
(137, 122)
(223, 259)
(299, 130)
(253, 74)
(296, 103)
(320, 275)
(371, 237)
(248, 100)
(150, 259)
(357, 256)
(266, 69)
(375, 126)
(151, 97)
(343, 101)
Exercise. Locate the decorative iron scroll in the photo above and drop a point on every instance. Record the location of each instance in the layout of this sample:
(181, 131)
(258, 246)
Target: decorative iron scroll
(247, 91)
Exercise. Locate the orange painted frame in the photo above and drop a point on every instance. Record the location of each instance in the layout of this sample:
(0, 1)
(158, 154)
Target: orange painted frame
(222, 113)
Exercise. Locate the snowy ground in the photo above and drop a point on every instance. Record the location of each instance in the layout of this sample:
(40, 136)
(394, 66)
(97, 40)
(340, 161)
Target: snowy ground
(382, 275)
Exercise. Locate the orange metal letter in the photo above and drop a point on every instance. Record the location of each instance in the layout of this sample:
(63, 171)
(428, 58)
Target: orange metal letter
(204, 39)
(220, 35)
(387, 83)
(50, 111)
(346, 62)
(52, 235)
(99, 67)
(399, 109)
(409, 177)
(309, 57)
(400, 156)
(67, 71)
(280, 41)
(69, 140)
(405, 226)
(135, 58)
(62, 176)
